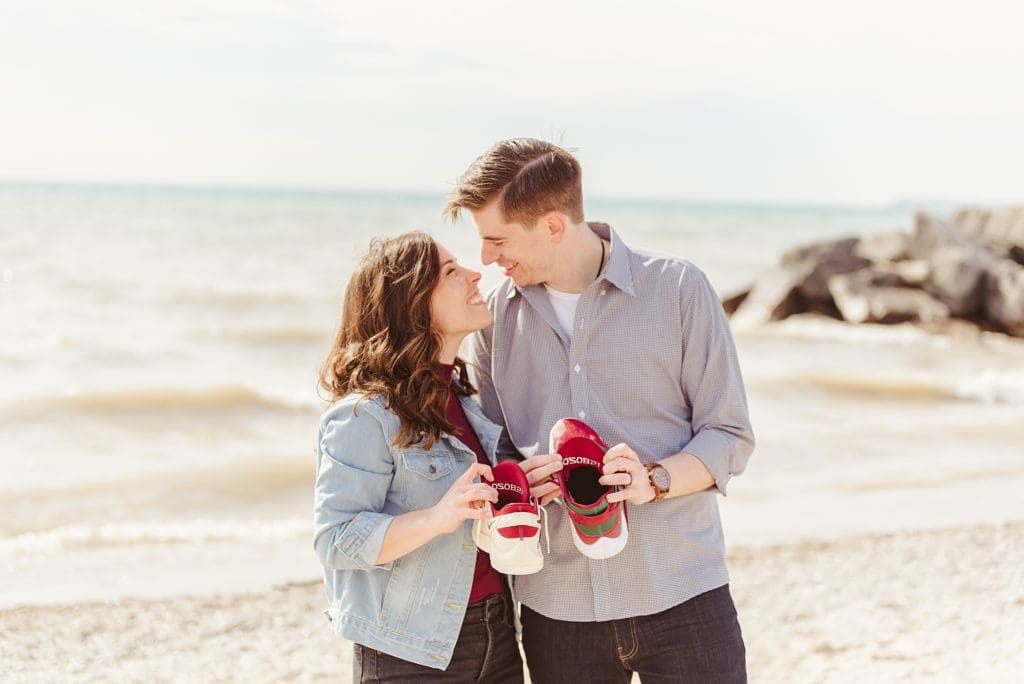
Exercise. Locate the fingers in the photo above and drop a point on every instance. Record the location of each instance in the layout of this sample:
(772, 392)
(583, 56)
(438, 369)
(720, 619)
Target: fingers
(462, 492)
(622, 468)
(548, 498)
(543, 473)
(620, 451)
(622, 465)
(475, 470)
(540, 461)
(476, 514)
(614, 497)
(638, 490)
(620, 479)
(478, 492)
(545, 489)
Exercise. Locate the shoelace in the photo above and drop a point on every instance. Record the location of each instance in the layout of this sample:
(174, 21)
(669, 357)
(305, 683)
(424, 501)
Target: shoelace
(547, 537)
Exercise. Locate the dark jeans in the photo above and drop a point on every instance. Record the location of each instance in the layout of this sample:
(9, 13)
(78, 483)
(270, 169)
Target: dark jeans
(486, 651)
(697, 641)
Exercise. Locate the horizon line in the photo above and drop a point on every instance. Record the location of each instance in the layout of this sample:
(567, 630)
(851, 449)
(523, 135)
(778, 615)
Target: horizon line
(419, 193)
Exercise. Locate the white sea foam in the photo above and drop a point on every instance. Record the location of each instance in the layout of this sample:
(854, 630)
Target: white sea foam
(992, 387)
(198, 531)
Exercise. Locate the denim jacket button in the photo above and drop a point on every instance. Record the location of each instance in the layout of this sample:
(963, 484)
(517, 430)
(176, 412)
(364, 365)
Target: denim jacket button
(432, 469)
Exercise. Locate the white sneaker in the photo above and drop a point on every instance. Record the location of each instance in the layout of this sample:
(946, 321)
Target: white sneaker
(511, 531)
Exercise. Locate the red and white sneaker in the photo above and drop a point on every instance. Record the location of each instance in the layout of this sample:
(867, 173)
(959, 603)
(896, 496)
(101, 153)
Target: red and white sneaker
(599, 528)
(511, 533)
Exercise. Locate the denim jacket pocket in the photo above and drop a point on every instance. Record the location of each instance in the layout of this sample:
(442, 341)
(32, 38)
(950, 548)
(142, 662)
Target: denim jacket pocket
(425, 477)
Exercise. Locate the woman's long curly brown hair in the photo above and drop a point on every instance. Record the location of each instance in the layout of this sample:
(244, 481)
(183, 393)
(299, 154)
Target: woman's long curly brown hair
(385, 344)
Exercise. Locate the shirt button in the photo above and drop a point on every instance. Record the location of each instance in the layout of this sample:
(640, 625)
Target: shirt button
(577, 368)
(603, 290)
(583, 414)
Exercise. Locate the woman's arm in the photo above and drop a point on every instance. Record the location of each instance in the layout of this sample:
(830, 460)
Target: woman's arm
(410, 531)
(355, 471)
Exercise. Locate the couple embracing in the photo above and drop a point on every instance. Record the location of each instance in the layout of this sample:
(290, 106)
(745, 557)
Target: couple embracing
(583, 443)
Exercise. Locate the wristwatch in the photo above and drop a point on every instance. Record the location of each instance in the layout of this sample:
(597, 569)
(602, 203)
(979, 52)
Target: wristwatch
(660, 480)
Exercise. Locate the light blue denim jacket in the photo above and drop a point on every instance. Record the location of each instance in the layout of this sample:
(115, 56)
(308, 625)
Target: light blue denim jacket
(413, 607)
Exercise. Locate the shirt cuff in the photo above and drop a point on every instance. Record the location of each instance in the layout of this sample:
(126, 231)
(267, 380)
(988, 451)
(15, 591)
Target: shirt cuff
(364, 537)
(712, 448)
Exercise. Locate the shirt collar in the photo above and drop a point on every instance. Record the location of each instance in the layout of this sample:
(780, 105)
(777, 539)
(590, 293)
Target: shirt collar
(616, 271)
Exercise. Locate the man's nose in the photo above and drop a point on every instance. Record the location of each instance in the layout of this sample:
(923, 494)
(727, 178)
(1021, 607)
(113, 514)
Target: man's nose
(487, 255)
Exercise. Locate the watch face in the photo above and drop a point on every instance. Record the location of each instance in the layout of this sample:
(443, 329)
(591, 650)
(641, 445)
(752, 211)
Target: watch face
(661, 478)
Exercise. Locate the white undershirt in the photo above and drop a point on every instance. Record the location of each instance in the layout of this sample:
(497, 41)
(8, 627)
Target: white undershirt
(564, 304)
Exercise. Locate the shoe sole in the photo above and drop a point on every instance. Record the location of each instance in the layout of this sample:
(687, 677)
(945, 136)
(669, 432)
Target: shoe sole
(605, 547)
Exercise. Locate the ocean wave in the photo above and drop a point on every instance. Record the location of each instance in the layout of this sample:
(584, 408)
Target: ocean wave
(927, 482)
(990, 387)
(197, 531)
(814, 327)
(242, 480)
(241, 299)
(987, 387)
(280, 335)
(218, 399)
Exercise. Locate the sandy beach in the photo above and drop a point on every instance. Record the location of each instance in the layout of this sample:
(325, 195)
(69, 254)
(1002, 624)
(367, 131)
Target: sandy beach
(934, 606)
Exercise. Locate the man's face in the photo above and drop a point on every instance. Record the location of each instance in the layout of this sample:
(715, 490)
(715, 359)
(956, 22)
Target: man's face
(524, 254)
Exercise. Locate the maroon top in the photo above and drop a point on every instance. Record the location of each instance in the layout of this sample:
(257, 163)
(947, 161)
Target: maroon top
(486, 580)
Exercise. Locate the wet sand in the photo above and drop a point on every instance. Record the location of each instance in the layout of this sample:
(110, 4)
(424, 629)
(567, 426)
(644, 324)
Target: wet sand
(934, 606)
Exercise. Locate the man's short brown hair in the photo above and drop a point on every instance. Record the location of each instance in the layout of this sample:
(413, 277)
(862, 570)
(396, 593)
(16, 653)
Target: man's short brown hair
(528, 177)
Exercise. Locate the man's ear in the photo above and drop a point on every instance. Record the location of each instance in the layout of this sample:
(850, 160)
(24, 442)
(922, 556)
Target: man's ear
(554, 223)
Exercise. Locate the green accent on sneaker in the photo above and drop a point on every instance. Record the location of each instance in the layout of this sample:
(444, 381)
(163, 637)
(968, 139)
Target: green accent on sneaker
(598, 530)
(596, 510)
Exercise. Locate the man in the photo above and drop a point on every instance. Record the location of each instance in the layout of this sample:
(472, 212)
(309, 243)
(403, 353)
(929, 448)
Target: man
(637, 346)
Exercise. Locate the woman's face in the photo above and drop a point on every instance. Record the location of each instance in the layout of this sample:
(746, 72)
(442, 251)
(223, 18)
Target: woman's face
(456, 307)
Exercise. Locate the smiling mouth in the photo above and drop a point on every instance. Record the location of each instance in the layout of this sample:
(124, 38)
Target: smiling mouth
(475, 299)
(508, 269)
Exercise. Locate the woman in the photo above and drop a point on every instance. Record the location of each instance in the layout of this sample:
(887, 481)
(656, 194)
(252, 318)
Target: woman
(400, 449)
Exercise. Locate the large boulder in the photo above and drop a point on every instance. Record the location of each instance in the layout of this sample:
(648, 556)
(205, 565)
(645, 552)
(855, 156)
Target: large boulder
(819, 262)
(911, 272)
(733, 302)
(970, 221)
(774, 296)
(876, 296)
(883, 247)
(963, 273)
(1004, 296)
(1005, 227)
(956, 265)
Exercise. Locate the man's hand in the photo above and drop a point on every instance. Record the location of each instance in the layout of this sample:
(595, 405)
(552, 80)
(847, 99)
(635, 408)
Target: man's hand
(539, 470)
(622, 467)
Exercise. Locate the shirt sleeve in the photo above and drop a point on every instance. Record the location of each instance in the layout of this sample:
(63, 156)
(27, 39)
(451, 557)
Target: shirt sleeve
(353, 475)
(723, 439)
(480, 369)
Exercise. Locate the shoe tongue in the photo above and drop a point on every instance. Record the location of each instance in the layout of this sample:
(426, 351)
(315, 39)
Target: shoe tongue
(581, 452)
(511, 484)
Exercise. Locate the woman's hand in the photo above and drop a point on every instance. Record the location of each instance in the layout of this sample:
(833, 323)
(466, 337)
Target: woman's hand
(463, 500)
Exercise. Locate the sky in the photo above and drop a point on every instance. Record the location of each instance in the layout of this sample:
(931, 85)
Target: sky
(789, 101)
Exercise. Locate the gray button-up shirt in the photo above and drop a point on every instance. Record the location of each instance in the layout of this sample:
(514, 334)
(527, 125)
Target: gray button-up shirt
(651, 363)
